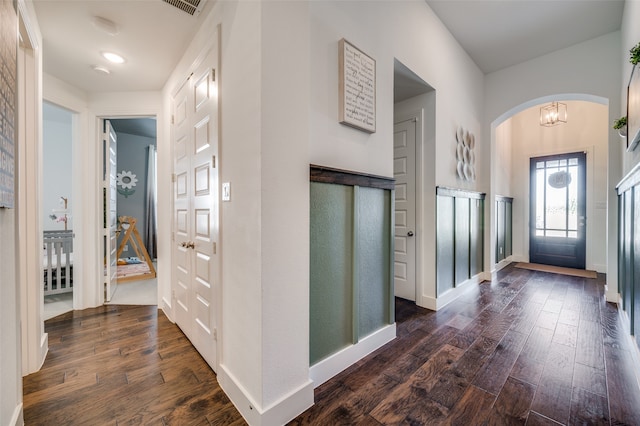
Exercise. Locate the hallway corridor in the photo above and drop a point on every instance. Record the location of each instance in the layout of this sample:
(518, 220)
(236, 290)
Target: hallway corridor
(529, 348)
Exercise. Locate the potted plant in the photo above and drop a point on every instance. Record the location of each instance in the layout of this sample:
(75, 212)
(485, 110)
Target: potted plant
(621, 126)
(634, 57)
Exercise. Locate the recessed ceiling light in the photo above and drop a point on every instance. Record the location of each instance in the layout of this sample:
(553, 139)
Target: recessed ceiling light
(113, 57)
(106, 25)
(100, 69)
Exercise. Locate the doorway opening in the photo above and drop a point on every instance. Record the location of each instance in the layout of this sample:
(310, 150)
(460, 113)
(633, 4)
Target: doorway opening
(57, 209)
(414, 165)
(557, 234)
(130, 200)
(517, 137)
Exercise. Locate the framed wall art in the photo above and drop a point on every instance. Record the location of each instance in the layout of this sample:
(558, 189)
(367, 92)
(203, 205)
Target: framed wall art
(8, 97)
(357, 91)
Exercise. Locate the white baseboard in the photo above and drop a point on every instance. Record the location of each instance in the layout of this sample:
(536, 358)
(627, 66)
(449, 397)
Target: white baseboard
(612, 296)
(44, 349)
(17, 419)
(598, 267)
(635, 354)
(278, 413)
(329, 367)
(435, 303)
(500, 265)
(166, 308)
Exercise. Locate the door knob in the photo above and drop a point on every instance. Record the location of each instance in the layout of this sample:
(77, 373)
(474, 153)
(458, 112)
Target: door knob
(191, 245)
(183, 244)
(410, 234)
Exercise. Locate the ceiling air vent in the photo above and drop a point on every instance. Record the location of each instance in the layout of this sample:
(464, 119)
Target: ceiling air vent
(192, 7)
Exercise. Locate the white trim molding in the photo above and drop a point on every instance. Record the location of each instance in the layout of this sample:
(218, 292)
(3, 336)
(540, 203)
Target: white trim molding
(334, 364)
(436, 303)
(278, 413)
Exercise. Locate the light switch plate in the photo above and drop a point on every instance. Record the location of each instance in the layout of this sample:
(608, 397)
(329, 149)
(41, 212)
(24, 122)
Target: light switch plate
(226, 191)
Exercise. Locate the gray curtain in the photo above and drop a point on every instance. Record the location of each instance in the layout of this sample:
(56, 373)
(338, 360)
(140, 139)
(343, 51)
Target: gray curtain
(150, 205)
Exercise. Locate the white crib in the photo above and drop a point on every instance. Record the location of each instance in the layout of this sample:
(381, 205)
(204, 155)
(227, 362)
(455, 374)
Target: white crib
(58, 262)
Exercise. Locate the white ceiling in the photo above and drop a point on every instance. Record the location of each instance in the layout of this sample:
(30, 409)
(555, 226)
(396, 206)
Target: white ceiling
(500, 33)
(152, 37)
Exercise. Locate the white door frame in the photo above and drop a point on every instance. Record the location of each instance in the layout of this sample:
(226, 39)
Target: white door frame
(417, 115)
(98, 231)
(28, 201)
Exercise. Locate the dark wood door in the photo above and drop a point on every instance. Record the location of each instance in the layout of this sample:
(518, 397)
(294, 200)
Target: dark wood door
(558, 210)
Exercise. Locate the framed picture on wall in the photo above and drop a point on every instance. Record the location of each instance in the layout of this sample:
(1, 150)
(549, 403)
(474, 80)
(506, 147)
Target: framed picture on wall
(357, 87)
(633, 109)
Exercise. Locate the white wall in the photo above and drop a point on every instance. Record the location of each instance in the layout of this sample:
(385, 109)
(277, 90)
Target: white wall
(502, 184)
(11, 389)
(630, 35)
(57, 164)
(411, 33)
(407, 31)
(585, 131)
(264, 90)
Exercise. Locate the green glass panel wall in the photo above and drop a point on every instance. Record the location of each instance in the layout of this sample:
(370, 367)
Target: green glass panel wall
(351, 294)
(373, 252)
(477, 237)
(445, 241)
(331, 293)
(508, 232)
(459, 237)
(462, 239)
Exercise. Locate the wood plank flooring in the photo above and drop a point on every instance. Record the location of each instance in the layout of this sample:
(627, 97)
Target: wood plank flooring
(123, 365)
(528, 348)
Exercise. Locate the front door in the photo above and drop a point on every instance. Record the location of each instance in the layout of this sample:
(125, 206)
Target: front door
(196, 285)
(558, 210)
(404, 172)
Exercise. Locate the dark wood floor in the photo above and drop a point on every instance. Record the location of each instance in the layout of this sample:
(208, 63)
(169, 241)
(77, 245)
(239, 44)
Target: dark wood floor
(528, 348)
(123, 365)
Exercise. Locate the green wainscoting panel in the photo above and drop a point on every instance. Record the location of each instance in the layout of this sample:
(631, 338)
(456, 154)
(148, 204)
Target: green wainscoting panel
(504, 227)
(462, 239)
(477, 237)
(373, 256)
(445, 242)
(508, 232)
(351, 265)
(500, 230)
(629, 249)
(459, 237)
(331, 270)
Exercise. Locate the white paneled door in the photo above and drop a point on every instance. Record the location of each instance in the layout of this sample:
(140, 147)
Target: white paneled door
(404, 171)
(110, 144)
(196, 287)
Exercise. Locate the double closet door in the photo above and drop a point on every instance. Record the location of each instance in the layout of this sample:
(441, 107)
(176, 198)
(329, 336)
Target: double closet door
(195, 284)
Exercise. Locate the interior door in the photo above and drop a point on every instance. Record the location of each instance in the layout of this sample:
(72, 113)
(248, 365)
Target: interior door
(558, 210)
(404, 171)
(110, 245)
(196, 208)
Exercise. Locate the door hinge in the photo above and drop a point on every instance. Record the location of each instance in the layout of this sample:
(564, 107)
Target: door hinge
(215, 248)
(213, 74)
(215, 334)
(213, 161)
(173, 121)
(173, 236)
(173, 177)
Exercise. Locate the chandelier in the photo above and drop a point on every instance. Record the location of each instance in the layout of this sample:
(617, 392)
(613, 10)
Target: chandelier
(553, 114)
